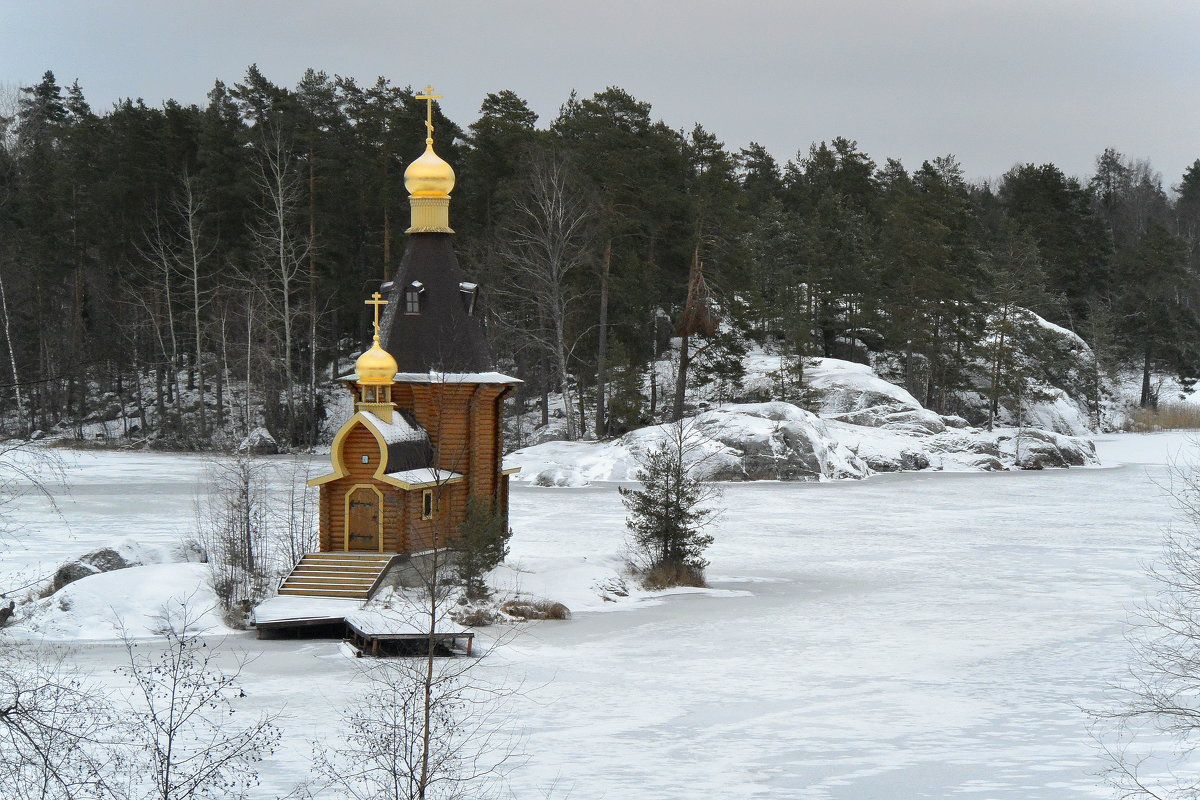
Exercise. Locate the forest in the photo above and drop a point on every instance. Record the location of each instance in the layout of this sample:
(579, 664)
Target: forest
(199, 270)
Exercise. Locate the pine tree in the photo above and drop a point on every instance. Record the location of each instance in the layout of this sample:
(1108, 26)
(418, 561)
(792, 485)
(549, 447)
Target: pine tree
(481, 546)
(668, 514)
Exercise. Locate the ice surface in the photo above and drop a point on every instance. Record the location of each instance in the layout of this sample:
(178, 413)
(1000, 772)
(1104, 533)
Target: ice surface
(917, 635)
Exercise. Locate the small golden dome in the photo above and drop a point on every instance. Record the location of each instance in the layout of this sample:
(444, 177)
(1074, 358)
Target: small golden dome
(376, 367)
(429, 175)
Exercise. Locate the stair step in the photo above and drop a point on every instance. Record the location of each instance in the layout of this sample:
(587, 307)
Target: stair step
(338, 579)
(331, 587)
(350, 556)
(349, 575)
(355, 573)
(350, 595)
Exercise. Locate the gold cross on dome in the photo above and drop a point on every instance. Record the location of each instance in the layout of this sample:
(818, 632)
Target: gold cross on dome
(429, 97)
(377, 301)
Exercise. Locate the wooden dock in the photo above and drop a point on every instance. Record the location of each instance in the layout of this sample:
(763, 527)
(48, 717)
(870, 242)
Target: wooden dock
(372, 630)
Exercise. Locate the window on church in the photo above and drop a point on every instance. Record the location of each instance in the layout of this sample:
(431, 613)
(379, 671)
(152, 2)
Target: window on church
(412, 297)
(427, 504)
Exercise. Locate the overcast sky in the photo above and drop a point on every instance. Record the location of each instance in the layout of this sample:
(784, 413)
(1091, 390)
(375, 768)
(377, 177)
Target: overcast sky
(995, 82)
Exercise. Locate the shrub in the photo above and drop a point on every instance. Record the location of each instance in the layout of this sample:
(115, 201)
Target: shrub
(664, 575)
(1166, 417)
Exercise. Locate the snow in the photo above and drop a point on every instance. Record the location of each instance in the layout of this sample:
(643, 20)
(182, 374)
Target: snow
(456, 377)
(294, 607)
(926, 634)
(847, 386)
(398, 430)
(426, 476)
(401, 618)
(129, 602)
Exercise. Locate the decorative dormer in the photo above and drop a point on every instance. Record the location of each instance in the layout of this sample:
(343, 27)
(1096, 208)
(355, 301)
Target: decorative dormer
(469, 293)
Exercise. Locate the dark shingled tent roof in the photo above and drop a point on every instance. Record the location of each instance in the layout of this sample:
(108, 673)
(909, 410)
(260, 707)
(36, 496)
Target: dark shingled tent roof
(444, 337)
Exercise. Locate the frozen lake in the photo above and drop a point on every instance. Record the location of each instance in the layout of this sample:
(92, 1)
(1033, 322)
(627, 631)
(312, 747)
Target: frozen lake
(921, 635)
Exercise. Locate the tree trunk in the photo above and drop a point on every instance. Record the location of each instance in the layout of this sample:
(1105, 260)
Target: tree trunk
(681, 376)
(1147, 400)
(602, 346)
(12, 359)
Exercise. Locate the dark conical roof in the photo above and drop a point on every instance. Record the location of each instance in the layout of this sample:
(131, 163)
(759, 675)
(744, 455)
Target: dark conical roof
(443, 337)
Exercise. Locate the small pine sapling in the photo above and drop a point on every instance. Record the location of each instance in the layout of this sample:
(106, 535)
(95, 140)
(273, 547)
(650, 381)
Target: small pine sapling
(482, 544)
(668, 514)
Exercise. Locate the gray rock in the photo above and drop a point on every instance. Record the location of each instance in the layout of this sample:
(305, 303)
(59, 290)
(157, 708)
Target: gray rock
(106, 560)
(894, 416)
(259, 442)
(69, 573)
(103, 560)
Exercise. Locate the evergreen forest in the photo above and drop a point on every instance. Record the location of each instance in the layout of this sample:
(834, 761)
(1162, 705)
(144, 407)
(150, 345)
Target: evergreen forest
(205, 265)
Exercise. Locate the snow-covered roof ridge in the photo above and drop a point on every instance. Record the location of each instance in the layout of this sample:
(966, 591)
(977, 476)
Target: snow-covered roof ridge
(426, 476)
(447, 377)
(433, 376)
(400, 429)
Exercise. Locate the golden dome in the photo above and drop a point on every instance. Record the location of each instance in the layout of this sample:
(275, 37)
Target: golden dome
(376, 367)
(429, 175)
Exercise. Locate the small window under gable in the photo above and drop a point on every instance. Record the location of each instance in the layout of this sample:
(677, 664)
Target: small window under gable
(412, 297)
(427, 504)
(468, 292)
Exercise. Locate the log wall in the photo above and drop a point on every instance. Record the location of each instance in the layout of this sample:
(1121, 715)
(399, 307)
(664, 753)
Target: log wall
(463, 423)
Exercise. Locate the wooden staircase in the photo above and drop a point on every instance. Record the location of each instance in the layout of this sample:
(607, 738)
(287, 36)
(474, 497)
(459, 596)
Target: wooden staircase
(350, 575)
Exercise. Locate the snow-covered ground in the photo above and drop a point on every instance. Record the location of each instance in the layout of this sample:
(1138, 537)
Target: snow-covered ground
(911, 635)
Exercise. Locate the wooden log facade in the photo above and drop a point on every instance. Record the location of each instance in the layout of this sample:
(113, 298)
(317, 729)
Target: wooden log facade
(370, 509)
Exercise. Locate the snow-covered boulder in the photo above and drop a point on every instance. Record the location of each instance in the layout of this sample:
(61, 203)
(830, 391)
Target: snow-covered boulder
(259, 442)
(130, 602)
(845, 387)
(105, 559)
(866, 425)
(772, 441)
(753, 441)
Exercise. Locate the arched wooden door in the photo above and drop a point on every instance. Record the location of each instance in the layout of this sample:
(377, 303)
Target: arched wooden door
(364, 519)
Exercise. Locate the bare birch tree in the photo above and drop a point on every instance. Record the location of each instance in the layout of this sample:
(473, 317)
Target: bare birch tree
(191, 256)
(281, 249)
(157, 269)
(547, 242)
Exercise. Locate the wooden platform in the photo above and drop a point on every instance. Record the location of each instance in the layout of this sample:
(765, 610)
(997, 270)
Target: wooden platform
(371, 629)
(376, 642)
(351, 575)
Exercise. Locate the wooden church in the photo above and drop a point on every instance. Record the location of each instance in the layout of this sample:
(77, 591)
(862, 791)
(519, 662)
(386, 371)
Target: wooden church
(425, 436)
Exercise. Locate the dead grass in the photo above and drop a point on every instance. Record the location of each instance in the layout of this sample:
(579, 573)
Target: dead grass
(1167, 417)
(535, 609)
(666, 575)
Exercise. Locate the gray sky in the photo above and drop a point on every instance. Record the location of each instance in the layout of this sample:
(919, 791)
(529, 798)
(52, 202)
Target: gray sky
(995, 82)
